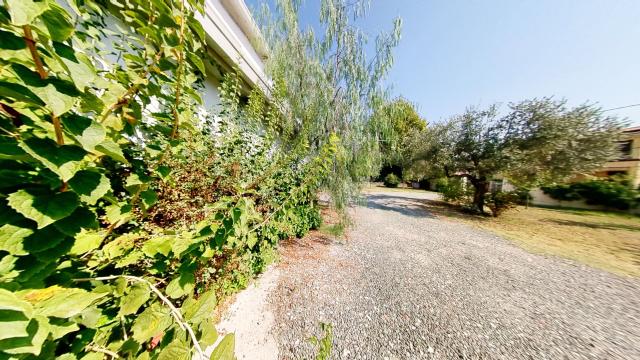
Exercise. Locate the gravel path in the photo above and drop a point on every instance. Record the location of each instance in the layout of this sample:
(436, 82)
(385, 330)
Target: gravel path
(407, 285)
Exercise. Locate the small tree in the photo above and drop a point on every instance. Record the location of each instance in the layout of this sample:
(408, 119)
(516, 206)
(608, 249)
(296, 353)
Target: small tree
(537, 142)
(404, 127)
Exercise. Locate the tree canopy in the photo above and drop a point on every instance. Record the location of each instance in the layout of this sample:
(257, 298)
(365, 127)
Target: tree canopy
(404, 128)
(538, 141)
(331, 86)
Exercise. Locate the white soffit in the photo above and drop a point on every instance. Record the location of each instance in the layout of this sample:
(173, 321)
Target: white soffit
(227, 36)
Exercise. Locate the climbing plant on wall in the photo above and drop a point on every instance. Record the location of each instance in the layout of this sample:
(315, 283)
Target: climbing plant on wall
(125, 213)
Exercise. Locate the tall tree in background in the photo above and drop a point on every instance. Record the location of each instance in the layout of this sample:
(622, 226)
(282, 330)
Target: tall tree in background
(405, 126)
(329, 85)
(539, 141)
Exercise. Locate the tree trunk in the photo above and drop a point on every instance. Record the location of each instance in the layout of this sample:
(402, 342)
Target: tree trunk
(480, 187)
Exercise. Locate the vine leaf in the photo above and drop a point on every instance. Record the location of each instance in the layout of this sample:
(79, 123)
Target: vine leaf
(14, 325)
(90, 185)
(58, 23)
(184, 283)
(37, 332)
(176, 350)
(10, 301)
(81, 218)
(79, 67)
(158, 245)
(12, 237)
(86, 241)
(61, 302)
(23, 12)
(112, 150)
(196, 311)
(44, 209)
(86, 131)
(224, 350)
(58, 102)
(136, 297)
(152, 321)
(60, 328)
(63, 160)
(208, 333)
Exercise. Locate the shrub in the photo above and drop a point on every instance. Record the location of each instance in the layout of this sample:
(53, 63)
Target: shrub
(440, 184)
(563, 192)
(524, 196)
(454, 190)
(391, 180)
(500, 201)
(609, 193)
(615, 193)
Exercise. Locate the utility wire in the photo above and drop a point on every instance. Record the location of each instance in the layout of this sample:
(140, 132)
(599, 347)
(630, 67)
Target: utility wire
(622, 107)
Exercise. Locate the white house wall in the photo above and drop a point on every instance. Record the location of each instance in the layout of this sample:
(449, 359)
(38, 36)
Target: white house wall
(229, 41)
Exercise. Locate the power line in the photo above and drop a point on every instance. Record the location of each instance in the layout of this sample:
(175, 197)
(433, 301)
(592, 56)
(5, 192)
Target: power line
(622, 107)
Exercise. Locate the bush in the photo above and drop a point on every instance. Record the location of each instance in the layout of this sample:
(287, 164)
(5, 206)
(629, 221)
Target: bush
(615, 193)
(609, 193)
(454, 190)
(440, 184)
(391, 180)
(500, 201)
(524, 196)
(563, 192)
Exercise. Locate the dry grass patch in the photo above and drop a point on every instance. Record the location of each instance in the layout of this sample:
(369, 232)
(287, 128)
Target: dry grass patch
(609, 241)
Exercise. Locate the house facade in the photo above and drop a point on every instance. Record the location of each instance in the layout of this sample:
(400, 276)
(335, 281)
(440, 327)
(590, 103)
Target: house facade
(628, 163)
(234, 42)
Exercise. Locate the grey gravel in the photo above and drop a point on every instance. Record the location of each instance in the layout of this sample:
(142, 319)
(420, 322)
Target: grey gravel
(408, 285)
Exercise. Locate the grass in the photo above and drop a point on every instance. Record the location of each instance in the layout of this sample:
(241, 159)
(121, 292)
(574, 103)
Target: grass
(609, 241)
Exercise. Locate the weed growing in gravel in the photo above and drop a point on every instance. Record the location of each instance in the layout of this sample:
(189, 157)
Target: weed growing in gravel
(325, 343)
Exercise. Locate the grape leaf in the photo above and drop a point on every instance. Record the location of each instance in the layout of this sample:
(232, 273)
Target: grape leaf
(44, 208)
(90, 185)
(130, 303)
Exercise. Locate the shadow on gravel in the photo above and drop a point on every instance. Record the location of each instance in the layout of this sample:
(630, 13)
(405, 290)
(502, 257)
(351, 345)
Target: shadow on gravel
(403, 205)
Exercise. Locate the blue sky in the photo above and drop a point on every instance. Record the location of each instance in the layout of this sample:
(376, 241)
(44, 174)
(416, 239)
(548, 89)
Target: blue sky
(456, 53)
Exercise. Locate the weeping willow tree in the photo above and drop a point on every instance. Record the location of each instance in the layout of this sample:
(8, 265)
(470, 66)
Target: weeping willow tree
(326, 82)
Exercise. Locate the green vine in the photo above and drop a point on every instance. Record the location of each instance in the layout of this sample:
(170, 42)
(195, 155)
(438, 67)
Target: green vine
(127, 209)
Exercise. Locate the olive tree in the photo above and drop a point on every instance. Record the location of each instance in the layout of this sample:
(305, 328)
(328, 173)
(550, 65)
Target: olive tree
(537, 142)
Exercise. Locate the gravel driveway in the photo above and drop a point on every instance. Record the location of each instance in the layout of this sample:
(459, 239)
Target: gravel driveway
(408, 285)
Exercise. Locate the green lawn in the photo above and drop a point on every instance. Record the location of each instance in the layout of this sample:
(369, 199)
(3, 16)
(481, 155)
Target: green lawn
(609, 241)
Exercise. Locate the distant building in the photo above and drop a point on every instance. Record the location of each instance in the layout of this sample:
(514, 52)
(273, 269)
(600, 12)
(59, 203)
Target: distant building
(628, 162)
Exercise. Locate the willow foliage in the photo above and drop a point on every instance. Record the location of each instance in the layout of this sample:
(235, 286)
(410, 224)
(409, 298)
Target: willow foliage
(330, 85)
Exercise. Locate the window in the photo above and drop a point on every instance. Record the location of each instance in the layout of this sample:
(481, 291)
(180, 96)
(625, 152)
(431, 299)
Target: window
(625, 149)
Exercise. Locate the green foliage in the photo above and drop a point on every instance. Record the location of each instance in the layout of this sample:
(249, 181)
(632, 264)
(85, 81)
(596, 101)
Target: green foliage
(562, 192)
(614, 193)
(125, 213)
(324, 344)
(537, 142)
(391, 180)
(331, 85)
(454, 190)
(405, 126)
(500, 201)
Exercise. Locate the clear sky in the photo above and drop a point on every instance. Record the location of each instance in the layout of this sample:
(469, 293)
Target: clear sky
(456, 53)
